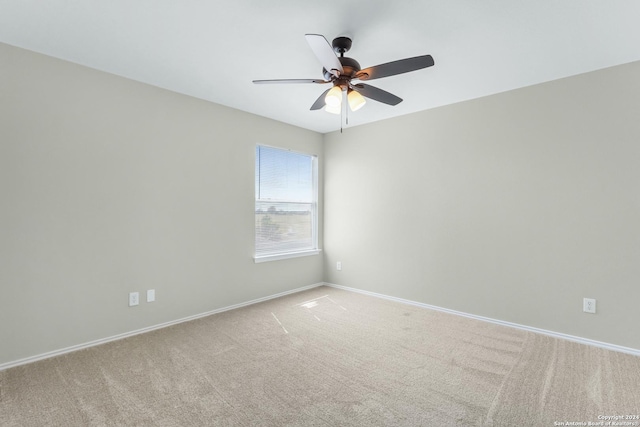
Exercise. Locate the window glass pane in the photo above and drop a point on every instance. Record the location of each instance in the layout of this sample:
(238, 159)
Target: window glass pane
(283, 227)
(283, 175)
(285, 207)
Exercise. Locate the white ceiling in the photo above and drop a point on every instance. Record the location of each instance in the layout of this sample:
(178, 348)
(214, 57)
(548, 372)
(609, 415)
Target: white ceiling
(213, 49)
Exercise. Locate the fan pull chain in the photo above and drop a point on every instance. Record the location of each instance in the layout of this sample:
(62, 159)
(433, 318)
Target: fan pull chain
(341, 112)
(346, 109)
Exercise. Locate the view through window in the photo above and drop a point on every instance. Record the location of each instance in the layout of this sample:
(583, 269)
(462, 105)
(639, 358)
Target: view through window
(286, 202)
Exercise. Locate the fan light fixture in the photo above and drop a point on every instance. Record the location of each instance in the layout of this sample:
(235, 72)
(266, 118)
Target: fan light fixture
(334, 97)
(356, 101)
(333, 100)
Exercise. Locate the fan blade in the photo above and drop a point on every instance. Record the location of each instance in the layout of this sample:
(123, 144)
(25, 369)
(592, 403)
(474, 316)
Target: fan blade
(320, 101)
(395, 67)
(287, 81)
(377, 94)
(324, 52)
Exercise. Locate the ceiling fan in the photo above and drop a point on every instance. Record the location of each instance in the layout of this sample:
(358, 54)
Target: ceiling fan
(344, 73)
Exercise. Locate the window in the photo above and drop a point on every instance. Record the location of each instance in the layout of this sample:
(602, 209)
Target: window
(286, 222)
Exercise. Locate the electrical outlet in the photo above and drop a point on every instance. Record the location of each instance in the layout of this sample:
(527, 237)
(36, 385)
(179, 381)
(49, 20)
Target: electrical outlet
(589, 305)
(134, 298)
(339, 265)
(151, 295)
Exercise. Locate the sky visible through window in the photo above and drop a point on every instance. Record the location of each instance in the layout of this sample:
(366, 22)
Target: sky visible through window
(283, 176)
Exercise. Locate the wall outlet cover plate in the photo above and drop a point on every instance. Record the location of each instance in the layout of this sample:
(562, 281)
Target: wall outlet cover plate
(134, 299)
(589, 305)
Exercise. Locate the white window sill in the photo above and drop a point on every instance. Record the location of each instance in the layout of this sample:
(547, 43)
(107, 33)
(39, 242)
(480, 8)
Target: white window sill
(276, 257)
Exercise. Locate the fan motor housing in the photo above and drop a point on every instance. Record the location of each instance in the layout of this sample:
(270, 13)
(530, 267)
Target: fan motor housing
(349, 65)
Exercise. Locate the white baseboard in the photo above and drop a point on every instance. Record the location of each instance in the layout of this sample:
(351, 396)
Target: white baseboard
(567, 337)
(61, 351)
(607, 346)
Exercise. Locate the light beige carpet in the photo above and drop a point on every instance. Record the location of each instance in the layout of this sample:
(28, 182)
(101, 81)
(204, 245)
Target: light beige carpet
(342, 359)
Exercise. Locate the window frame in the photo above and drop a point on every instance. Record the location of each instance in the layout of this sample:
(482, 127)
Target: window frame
(315, 250)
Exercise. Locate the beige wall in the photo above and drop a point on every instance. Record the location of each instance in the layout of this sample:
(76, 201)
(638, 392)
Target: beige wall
(110, 186)
(513, 206)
